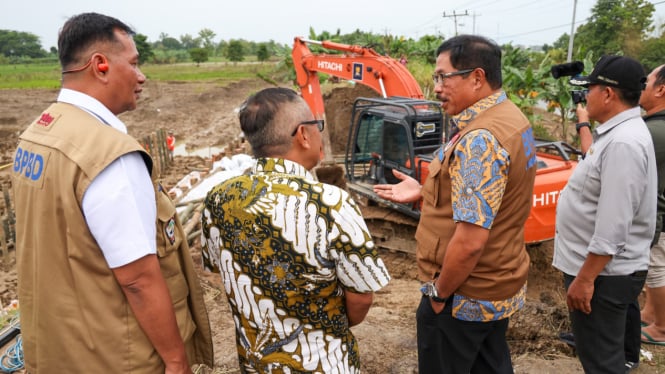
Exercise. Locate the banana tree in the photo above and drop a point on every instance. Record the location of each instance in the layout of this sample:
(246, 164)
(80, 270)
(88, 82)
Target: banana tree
(525, 86)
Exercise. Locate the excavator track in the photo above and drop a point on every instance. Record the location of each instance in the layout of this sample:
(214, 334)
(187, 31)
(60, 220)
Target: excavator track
(390, 230)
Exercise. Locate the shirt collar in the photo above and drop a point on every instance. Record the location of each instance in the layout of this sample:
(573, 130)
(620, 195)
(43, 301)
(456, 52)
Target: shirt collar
(92, 106)
(280, 165)
(462, 119)
(657, 114)
(618, 119)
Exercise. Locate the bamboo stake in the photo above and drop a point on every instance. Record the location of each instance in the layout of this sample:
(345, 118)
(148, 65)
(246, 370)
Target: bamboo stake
(155, 155)
(161, 148)
(4, 252)
(9, 212)
(191, 237)
(195, 201)
(194, 221)
(185, 214)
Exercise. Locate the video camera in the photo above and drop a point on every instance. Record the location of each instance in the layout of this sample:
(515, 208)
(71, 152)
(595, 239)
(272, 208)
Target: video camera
(570, 69)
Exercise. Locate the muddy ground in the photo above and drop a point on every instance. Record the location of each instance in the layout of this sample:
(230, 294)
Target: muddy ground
(202, 115)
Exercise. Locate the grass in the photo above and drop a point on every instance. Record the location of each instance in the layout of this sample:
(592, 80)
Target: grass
(28, 76)
(217, 71)
(8, 318)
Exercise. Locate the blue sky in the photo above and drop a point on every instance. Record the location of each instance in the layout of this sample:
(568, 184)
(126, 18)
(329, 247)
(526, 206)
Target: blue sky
(522, 22)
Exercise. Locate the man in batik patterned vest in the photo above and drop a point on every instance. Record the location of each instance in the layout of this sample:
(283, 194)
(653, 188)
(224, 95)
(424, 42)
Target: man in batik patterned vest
(297, 261)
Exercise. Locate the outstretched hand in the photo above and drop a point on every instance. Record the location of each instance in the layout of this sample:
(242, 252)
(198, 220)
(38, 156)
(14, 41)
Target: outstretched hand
(406, 191)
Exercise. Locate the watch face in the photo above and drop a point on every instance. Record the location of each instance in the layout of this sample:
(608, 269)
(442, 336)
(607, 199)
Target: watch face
(427, 289)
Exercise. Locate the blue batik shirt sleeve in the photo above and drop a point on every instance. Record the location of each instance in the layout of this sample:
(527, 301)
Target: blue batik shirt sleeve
(479, 174)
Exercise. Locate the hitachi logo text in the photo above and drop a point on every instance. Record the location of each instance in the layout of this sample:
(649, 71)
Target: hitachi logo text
(330, 65)
(546, 198)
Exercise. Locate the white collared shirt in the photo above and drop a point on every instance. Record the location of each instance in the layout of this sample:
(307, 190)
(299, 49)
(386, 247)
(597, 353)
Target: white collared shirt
(608, 206)
(119, 205)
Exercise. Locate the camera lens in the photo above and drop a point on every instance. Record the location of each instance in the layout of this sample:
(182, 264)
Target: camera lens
(579, 96)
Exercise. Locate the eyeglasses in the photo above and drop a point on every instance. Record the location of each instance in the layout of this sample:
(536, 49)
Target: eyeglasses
(440, 77)
(318, 122)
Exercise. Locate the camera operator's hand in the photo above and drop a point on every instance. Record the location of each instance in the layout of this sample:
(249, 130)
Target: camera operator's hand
(583, 128)
(582, 114)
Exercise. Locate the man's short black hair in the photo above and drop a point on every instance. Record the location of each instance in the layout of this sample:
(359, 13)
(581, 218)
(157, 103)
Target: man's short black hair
(82, 31)
(474, 51)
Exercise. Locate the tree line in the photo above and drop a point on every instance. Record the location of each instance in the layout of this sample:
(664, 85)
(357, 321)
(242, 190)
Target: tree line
(623, 27)
(25, 47)
(615, 26)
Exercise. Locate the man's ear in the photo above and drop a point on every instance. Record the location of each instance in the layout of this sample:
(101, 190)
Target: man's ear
(302, 138)
(100, 63)
(660, 90)
(478, 76)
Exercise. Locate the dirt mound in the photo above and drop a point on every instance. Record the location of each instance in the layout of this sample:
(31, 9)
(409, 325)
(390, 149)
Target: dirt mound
(200, 114)
(339, 103)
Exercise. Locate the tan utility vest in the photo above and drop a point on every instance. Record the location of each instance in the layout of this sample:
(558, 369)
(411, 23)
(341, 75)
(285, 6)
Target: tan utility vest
(503, 266)
(74, 315)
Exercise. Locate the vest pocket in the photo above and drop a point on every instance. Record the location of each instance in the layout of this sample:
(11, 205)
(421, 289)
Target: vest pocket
(169, 236)
(430, 190)
(428, 251)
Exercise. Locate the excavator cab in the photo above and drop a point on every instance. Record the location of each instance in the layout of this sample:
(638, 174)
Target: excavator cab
(392, 133)
(403, 133)
(383, 146)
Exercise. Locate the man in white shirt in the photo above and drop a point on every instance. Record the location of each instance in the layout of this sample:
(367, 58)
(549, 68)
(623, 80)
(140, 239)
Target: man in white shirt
(606, 215)
(104, 287)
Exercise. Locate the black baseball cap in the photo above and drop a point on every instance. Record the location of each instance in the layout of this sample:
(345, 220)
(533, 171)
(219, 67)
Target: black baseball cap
(615, 71)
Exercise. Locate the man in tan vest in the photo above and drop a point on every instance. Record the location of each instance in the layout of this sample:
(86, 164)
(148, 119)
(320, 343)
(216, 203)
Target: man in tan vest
(471, 251)
(106, 282)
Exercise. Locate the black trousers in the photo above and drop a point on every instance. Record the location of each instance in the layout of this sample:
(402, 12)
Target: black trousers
(449, 346)
(600, 337)
(633, 337)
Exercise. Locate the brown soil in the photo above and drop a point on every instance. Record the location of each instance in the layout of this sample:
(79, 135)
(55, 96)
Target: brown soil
(202, 114)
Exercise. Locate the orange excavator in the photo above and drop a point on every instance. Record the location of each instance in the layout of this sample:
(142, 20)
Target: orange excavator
(400, 131)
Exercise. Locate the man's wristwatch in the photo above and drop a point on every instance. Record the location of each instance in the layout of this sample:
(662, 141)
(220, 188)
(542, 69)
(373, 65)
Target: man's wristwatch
(429, 289)
(579, 126)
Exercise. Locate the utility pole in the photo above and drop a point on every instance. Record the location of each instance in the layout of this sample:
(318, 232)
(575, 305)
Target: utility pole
(455, 15)
(474, 22)
(572, 33)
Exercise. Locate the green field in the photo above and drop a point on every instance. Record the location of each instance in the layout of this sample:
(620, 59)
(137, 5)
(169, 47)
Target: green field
(48, 75)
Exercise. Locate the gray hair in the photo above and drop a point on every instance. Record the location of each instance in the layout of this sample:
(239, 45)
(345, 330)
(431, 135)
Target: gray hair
(268, 118)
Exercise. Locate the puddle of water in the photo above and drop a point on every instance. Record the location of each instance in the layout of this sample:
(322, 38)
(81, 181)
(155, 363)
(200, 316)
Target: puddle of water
(205, 152)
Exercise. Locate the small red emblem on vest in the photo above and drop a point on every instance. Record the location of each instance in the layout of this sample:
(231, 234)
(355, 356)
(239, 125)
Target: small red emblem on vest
(45, 119)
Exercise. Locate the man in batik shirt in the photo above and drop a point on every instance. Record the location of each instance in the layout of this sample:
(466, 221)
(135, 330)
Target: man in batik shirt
(297, 261)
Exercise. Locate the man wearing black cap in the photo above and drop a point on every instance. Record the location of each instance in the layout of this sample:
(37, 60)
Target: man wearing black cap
(606, 215)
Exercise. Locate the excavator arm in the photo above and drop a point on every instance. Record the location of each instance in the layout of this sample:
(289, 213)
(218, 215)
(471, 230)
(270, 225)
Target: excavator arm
(360, 64)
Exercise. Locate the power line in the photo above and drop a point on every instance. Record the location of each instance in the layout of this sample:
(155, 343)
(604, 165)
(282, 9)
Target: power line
(520, 6)
(560, 26)
(502, 7)
(454, 16)
(541, 30)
